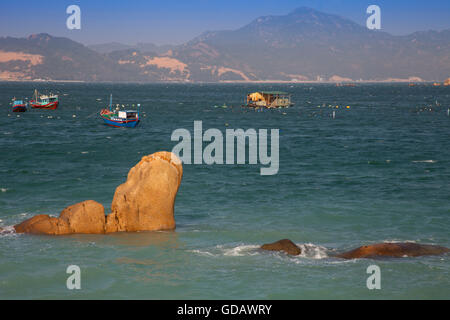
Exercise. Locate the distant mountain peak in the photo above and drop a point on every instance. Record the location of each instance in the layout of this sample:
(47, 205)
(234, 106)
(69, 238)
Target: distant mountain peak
(304, 10)
(40, 36)
(303, 20)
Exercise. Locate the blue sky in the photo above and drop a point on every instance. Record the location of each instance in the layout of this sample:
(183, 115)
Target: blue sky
(177, 21)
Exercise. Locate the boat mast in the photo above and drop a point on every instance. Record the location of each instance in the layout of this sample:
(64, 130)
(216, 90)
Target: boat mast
(110, 102)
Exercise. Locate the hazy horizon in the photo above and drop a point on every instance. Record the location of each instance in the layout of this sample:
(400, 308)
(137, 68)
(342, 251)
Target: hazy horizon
(175, 22)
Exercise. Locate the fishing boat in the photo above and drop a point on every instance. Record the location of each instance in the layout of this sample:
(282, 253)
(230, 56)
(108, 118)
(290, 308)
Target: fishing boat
(49, 102)
(120, 118)
(19, 106)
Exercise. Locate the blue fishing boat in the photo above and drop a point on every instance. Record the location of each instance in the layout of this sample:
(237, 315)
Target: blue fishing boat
(120, 118)
(19, 106)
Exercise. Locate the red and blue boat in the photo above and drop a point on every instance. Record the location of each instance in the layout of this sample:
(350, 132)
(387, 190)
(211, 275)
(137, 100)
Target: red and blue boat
(19, 106)
(120, 118)
(49, 102)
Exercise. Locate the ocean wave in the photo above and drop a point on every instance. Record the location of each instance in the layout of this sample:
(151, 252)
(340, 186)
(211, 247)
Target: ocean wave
(399, 241)
(424, 161)
(309, 251)
(243, 250)
(202, 253)
(7, 230)
(313, 251)
(222, 250)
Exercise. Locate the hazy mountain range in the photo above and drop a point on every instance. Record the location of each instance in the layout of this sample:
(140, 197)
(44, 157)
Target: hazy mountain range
(304, 45)
(141, 46)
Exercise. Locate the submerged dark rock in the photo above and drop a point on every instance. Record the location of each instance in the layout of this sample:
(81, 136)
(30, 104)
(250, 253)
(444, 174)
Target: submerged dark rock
(394, 250)
(284, 245)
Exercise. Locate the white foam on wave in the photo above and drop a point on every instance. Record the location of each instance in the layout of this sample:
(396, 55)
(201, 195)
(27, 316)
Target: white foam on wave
(221, 250)
(424, 161)
(202, 253)
(399, 241)
(309, 251)
(3, 189)
(312, 251)
(243, 250)
(7, 230)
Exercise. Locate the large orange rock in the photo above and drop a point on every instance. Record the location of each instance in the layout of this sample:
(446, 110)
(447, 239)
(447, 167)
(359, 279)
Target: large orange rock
(84, 217)
(145, 202)
(394, 250)
(284, 245)
(43, 224)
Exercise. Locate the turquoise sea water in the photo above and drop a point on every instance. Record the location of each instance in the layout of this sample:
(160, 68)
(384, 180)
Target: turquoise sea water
(379, 171)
